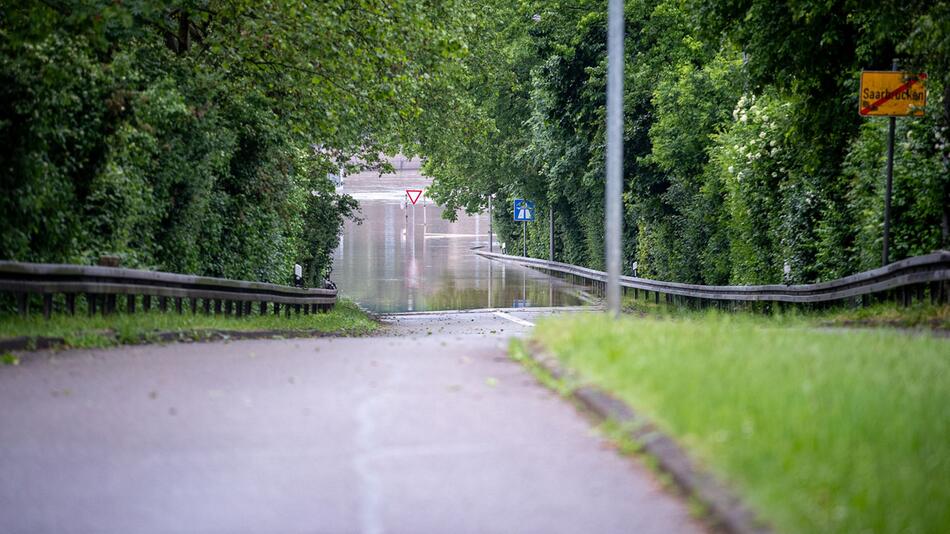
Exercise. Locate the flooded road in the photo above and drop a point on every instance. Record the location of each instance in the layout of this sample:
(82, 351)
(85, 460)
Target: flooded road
(407, 258)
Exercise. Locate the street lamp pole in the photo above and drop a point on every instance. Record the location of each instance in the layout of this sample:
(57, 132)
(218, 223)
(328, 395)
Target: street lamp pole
(614, 188)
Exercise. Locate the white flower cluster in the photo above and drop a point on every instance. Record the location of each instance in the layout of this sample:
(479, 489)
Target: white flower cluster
(940, 135)
(750, 112)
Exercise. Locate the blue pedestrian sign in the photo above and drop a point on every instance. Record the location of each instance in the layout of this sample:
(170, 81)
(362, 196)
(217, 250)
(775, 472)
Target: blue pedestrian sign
(524, 210)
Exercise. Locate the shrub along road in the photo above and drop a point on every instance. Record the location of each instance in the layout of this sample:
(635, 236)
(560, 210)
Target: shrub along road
(431, 428)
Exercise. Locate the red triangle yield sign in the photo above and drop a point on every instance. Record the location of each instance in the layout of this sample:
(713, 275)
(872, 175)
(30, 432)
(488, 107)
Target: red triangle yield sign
(413, 195)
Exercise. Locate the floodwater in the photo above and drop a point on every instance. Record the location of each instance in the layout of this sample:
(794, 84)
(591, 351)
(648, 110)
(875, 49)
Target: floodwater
(407, 258)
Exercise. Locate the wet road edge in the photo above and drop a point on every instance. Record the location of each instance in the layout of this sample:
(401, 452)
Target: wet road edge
(722, 508)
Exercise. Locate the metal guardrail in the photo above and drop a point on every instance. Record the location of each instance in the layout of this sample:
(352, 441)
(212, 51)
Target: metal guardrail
(906, 279)
(102, 285)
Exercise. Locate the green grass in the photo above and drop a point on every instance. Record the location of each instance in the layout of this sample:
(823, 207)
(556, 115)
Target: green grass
(819, 430)
(83, 331)
(888, 314)
(915, 316)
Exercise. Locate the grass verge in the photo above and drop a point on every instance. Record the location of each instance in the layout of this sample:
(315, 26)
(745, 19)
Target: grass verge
(819, 431)
(99, 331)
(886, 314)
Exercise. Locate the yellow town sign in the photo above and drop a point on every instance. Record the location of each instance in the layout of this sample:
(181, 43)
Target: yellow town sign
(892, 93)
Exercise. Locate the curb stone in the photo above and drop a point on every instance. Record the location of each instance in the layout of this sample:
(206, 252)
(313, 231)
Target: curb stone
(724, 509)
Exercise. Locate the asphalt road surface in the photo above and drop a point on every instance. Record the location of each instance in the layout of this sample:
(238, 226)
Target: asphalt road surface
(429, 429)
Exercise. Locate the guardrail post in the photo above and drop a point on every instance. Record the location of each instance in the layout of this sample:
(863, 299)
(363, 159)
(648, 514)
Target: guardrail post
(47, 305)
(146, 303)
(193, 304)
(296, 309)
(178, 308)
(71, 303)
(109, 304)
(206, 306)
(91, 303)
(287, 310)
(22, 305)
(277, 308)
(163, 304)
(130, 304)
(263, 308)
(239, 309)
(217, 306)
(228, 308)
(306, 309)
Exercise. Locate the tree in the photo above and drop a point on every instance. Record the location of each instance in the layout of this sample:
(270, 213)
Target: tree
(188, 135)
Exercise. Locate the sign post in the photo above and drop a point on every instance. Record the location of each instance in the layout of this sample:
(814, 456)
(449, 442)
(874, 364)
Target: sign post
(891, 94)
(524, 213)
(491, 237)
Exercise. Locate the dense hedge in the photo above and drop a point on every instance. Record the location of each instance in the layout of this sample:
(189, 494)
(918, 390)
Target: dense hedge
(743, 146)
(196, 136)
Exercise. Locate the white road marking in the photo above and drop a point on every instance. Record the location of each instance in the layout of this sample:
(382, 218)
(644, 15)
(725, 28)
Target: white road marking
(513, 319)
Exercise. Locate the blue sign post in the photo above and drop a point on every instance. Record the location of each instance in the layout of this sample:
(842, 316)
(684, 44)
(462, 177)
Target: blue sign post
(524, 213)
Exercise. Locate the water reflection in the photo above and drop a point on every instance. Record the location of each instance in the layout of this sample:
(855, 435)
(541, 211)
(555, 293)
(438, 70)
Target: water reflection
(412, 260)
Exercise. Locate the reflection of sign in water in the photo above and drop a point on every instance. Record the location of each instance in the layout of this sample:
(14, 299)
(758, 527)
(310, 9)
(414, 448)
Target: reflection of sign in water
(521, 303)
(524, 210)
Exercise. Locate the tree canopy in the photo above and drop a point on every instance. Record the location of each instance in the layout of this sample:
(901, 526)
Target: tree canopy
(196, 135)
(743, 148)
